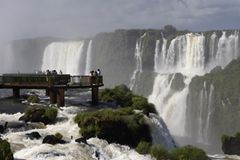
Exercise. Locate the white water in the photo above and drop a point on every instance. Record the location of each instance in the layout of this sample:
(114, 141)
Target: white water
(25, 148)
(64, 56)
(89, 58)
(159, 132)
(138, 56)
(187, 54)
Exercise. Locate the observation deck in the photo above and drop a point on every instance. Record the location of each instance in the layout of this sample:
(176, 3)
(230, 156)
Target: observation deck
(54, 84)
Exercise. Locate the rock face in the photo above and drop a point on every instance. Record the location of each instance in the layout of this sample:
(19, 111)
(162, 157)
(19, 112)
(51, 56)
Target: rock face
(214, 99)
(231, 146)
(52, 139)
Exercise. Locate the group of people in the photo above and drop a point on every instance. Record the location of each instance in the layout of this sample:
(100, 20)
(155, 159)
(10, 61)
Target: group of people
(96, 73)
(92, 73)
(53, 72)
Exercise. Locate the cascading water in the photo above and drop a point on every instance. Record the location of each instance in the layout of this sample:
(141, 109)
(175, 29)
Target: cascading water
(189, 55)
(64, 56)
(89, 58)
(138, 57)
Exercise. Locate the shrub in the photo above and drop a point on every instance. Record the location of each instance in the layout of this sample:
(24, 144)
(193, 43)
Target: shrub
(159, 152)
(224, 138)
(143, 147)
(58, 135)
(120, 95)
(124, 97)
(5, 150)
(188, 153)
(120, 126)
(51, 113)
(33, 99)
(141, 103)
(237, 135)
(39, 114)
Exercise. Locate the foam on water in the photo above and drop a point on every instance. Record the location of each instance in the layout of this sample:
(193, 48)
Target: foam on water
(24, 148)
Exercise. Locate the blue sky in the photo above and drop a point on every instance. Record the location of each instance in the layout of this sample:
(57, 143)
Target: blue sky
(85, 18)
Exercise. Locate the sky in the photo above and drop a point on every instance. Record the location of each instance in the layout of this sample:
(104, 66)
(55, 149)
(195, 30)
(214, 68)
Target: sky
(85, 18)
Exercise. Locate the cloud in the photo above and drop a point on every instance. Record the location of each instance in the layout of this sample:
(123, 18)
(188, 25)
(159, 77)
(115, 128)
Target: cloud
(76, 18)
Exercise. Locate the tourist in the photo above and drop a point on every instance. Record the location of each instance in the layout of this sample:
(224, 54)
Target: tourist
(98, 72)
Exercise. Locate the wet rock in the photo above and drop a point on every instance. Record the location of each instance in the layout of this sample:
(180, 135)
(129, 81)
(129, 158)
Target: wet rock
(51, 139)
(178, 82)
(36, 125)
(231, 146)
(81, 140)
(216, 69)
(3, 127)
(33, 135)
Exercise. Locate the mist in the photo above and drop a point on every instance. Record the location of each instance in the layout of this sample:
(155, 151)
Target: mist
(75, 19)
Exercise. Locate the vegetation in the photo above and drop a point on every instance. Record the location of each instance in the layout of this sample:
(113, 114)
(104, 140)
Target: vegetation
(182, 153)
(5, 150)
(40, 114)
(51, 113)
(188, 153)
(121, 126)
(58, 135)
(143, 147)
(124, 97)
(33, 99)
(159, 152)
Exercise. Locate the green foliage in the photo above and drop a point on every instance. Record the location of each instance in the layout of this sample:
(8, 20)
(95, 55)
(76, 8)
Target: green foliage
(120, 126)
(143, 147)
(51, 113)
(224, 138)
(5, 150)
(39, 114)
(58, 135)
(182, 153)
(120, 95)
(237, 135)
(141, 103)
(33, 99)
(159, 152)
(124, 97)
(188, 153)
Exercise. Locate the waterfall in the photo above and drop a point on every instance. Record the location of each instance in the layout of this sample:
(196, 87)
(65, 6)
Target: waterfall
(187, 54)
(227, 48)
(138, 57)
(89, 58)
(159, 57)
(159, 132)
(64, 56)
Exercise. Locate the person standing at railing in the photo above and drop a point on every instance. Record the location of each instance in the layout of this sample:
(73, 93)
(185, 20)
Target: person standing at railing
(98, 72)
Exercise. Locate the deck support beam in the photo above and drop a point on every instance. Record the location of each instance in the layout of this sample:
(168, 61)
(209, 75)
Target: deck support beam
(53, 95)
(60, 97)
(95, 95)
(16, 93)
